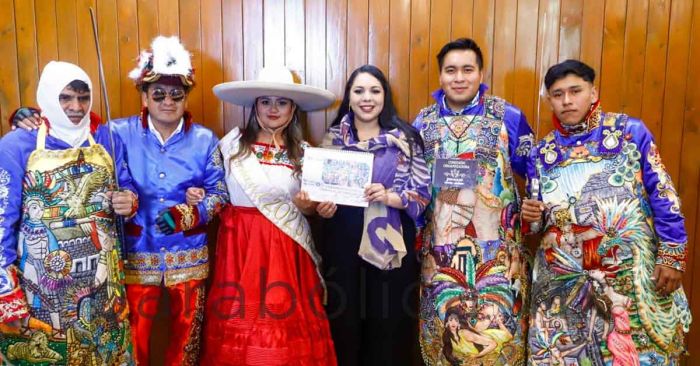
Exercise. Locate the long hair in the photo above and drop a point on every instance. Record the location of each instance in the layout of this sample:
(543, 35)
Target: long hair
(448, 337)
(292, 134)
(388, 118)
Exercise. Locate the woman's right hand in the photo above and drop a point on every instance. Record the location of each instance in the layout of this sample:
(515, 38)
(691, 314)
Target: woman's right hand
(326, 209)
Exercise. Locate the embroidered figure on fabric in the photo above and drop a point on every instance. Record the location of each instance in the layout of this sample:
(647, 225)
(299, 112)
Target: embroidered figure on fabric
(550, 156)
(525, 143)
(664, 186)
(35, 350)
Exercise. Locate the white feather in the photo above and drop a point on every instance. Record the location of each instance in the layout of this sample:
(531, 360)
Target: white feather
(143, 61)
(169, 57)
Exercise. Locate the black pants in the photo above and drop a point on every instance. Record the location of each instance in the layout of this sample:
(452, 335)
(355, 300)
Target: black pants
(373, 313)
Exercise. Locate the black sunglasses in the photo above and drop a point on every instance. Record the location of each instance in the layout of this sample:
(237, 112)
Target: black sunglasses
(176, 95)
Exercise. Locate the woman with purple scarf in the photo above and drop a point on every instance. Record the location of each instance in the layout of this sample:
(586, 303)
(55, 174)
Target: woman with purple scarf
(371, 268)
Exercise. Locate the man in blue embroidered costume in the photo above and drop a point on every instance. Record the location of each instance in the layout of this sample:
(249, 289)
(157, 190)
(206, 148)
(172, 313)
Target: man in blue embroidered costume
(57, 232)
(613, 249)
(474, 274)
(166, 240)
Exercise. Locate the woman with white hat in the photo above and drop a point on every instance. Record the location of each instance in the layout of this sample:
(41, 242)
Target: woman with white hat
(265, 307)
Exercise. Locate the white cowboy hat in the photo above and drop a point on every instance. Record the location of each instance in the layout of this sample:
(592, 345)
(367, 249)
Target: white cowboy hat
(275, 82)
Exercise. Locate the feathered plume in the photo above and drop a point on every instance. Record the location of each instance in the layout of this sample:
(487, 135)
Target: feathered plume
(167, 56)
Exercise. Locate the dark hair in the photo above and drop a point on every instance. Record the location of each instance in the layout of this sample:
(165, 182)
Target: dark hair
(461, 44)
(78, 86)
(448, 337)
(293, 136)
(568, 67)
(388, 119)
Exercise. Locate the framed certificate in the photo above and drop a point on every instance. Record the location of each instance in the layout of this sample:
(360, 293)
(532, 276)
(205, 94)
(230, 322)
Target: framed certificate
(339, 176)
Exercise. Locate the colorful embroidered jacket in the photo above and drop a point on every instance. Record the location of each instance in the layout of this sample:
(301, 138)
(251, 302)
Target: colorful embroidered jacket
(612, 216)
(59, 263)
(162, 174)
(475, 278)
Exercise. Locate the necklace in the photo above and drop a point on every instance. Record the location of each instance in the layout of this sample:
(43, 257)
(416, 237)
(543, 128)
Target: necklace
(458, 126)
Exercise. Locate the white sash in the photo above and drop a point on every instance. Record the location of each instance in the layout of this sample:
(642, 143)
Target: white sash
(272, 201)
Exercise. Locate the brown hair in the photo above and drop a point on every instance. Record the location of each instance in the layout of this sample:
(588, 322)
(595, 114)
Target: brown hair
(292, 135)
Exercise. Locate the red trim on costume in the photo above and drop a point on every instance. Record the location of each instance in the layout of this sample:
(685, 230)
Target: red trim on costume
(132, 229)
(95, 120)
(12, 117)
(183, 223)
(144, 117)
(13, 305)
(201, 229)
(95, 238)
(557, 123)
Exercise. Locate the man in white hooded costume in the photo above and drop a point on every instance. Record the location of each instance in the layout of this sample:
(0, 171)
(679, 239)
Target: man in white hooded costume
(62, 298)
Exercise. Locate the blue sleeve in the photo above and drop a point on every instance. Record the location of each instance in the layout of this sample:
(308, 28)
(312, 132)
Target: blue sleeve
(119, 154)
(216, 195)
(15, 148)
(664, 202)
(418, 122)
(412, 183)
(520, 139)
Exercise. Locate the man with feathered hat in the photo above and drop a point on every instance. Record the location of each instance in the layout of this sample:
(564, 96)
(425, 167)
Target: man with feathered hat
(173, 161)
(57, 230)
(167, 240)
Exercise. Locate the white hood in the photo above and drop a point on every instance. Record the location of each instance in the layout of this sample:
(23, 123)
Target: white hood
(56, 76)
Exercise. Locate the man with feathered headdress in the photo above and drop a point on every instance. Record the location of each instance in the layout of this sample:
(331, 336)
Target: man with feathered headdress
(56, 186)
(178, 171)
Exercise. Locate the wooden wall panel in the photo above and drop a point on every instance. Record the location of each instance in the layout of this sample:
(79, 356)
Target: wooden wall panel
(192, 39)
(462, 14)
(418, 89)
(399, 54)
(9, 73)
(357, 36)
(26, 55)
(169, 17)
(129, 48)
(689, 184)
(482, 33)
(232, 57)
(67, 30)
(212, 64)
(379, 34)
(439, 35)
(316, 60)
(570, 29)
(633, 64)
(294, 37)
(592, 38)
(108, 34)
(676, 81)
(336, 50)
(524, 80)
(547, 51)
(506, 16)
(656, 50)
(641, 50)
(613, 53)
(46, 32)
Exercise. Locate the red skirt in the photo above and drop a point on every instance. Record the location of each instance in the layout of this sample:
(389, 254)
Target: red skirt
(264, 306)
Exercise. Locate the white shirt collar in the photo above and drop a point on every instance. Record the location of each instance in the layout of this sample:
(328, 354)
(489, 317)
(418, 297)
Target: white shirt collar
(153, 130)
